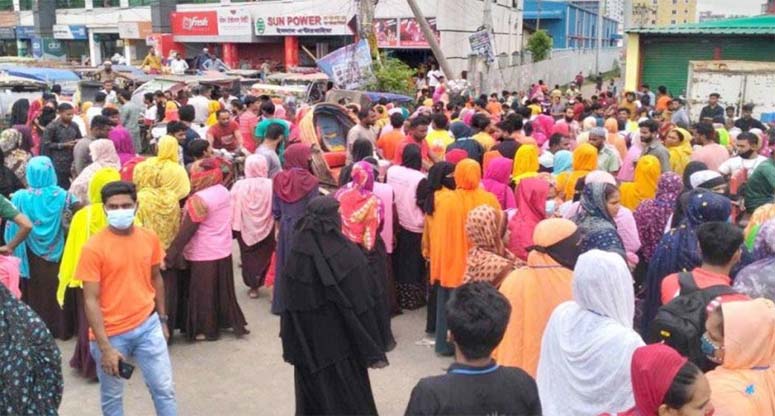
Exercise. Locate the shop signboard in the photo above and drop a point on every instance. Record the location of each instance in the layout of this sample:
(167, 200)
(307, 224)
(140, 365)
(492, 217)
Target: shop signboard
(70, 32)
(349, 67)
(48, 48)
(7, 33)
(482, 45)
(25, 32)
(234, 22)
(302, 25)
(403, 32)
(134, 30)
(200, 23)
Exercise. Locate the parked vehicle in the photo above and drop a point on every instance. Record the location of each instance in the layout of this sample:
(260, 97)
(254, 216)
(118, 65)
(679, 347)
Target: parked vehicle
(14, 88)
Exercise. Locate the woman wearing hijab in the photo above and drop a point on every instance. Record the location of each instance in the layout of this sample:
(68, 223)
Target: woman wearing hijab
(449, 240)
(464, 140)
(36, 107)
(535, 290)
(563, 162)
(525, 163)
(644, 186)
(614, 138)
(292, 190)
(166, 167)
(88, 221)
(103, 155)
(741, 337)
(408, 263)
(488, 259)
(19, 111)
(762, 215)
(679, 144)
(44, 203)
(757, 279)
(122, 141)
(14, 158)
(329, 324)
(532, 197)
(9, 182)
(665, 383)
(497, 179)
(587, 346)
(32, 364)
(679, 249)
(362, 217)
(204, 241)
(584, 161)
(595, 219)
(680, 205)
(361, 149)
(252, 222)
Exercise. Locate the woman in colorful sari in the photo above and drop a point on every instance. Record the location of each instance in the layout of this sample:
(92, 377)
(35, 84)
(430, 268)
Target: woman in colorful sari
(741, 337)
(525, 163)
(293, 188)
(448, 236)
(497, 178)
(103, 155)
(652, 215)
(584, 161)
(587, 346)
(762, 214)
(488, 259)
(45, 204)
(532, 197)
(644, 185)
(595, 219)
(757, 279)
(204, 241)
(679, 249)
(88, 221)
(161, 185)
(252, 222)
(362, 215)
(679, 144)
(535, 290)
(122, 141)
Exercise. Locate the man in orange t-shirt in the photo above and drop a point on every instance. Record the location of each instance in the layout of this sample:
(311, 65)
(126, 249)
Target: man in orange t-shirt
(663, 100)
(124, 300)
(388, 142)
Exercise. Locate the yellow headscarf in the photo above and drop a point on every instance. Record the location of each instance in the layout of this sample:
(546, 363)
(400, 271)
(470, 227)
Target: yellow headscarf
(680, 155)
(86, 222)
(525, 163)
(644, 185)
(213, 106)
(158, 195)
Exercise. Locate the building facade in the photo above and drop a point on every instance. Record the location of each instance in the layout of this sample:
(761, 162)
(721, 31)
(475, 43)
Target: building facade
(571, 26)
(663, 12)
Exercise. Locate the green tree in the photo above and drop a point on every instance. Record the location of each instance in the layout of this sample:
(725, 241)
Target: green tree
(539, 44)
(392, 76)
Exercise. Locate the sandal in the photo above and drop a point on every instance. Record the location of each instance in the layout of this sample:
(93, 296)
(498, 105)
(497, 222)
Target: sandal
(253, 293)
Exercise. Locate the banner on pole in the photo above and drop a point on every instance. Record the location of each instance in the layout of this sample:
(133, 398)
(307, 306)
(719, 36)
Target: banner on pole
(482, 45)
(349, 67)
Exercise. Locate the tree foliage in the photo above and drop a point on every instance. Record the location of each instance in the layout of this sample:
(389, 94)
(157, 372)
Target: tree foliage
(539, 44)
(392, 76)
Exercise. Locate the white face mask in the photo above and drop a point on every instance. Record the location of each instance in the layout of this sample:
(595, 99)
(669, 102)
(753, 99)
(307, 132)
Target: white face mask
(550, 207)
(121, 219)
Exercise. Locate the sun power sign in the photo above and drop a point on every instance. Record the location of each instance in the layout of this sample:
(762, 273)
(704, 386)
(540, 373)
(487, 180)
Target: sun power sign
(301, 25)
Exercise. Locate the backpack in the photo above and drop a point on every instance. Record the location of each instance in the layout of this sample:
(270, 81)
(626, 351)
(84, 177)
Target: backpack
(681, 322)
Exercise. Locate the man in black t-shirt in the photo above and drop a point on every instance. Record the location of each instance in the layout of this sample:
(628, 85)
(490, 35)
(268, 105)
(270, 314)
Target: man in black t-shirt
(477, 316)
(746, 121)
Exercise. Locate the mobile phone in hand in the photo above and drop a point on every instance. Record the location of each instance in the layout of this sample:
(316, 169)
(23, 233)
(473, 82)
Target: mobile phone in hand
(125, 369)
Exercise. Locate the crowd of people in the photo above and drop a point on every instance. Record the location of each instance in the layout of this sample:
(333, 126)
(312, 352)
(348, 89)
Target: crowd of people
(576, 255)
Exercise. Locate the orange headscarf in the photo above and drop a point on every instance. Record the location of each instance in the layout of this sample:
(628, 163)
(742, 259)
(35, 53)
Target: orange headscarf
(584, 161)
(614, 138)
(745, 382)
(534, 291)
(644, 185)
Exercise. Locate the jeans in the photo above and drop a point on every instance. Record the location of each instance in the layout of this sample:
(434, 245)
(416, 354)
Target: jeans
(147, 345)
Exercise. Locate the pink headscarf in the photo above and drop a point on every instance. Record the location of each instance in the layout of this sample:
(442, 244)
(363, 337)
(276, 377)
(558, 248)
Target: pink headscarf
(542, 128)
(652, 371)
(627, 172)
(252, 201)
(496, 181)
(455, 155)
(9, 274)
(279, 112)
(122, 140)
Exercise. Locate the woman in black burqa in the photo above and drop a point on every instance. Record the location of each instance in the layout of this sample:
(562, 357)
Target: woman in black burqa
(330, 329)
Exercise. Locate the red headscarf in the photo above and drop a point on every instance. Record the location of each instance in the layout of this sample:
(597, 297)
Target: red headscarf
(295, 181)
(455, 155)
(652, 370)
(531, 197)
(35, 108)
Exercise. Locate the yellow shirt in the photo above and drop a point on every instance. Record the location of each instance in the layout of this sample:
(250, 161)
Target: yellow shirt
(485, 140)
(438, 140)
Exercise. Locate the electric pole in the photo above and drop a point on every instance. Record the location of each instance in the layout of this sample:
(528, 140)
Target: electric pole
(431, 38)
(366, 27)
(600, 4)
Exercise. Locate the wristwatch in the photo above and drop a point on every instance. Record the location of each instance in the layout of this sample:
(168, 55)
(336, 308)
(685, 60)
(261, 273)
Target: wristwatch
(164, 318)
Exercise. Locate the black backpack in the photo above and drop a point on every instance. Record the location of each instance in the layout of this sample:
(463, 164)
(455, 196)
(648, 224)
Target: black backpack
(681, 322)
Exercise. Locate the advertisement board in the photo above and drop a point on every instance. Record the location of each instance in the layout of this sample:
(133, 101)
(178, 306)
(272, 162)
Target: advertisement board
(234, 22)
(200, 23)
(70, 32)
(349, 67)
(48, 48)
(403, 32)
(301, 25)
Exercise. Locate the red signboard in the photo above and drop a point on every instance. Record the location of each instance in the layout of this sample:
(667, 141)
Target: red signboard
(203, 23)
(412, 36)
(403, 33)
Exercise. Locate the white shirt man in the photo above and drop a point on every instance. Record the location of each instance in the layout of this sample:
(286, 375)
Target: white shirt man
(433, 77)
(201, 108)
(178, 66)
(733, 165)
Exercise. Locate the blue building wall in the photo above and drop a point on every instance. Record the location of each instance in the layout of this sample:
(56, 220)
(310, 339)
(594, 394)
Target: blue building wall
(569, 26)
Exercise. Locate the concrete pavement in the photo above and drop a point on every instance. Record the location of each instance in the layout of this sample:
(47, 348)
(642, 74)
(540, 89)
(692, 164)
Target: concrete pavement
(248, 376)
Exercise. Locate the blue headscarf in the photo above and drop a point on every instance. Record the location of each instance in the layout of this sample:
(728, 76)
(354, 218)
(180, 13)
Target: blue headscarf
(563, 162)
(597, 227)
(43, 202)
(679, 249)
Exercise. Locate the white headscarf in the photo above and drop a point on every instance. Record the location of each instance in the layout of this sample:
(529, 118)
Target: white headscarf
(588, 343)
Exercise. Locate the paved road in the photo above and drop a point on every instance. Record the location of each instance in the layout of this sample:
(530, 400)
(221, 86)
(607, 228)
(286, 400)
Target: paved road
(249, 377)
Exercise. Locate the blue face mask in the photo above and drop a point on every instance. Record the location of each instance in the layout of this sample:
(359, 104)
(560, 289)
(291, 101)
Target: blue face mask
(709, 348)
(121, 219)
(550, 207)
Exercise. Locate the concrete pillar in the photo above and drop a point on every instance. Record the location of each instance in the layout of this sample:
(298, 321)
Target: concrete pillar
(291, 51)
(230, 56)
(130, 50)
(632, 63)
(44, 17)
(95, 54)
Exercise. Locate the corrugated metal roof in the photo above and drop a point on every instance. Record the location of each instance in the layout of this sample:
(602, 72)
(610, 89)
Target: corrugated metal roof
(756, 25)
(544, 14)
